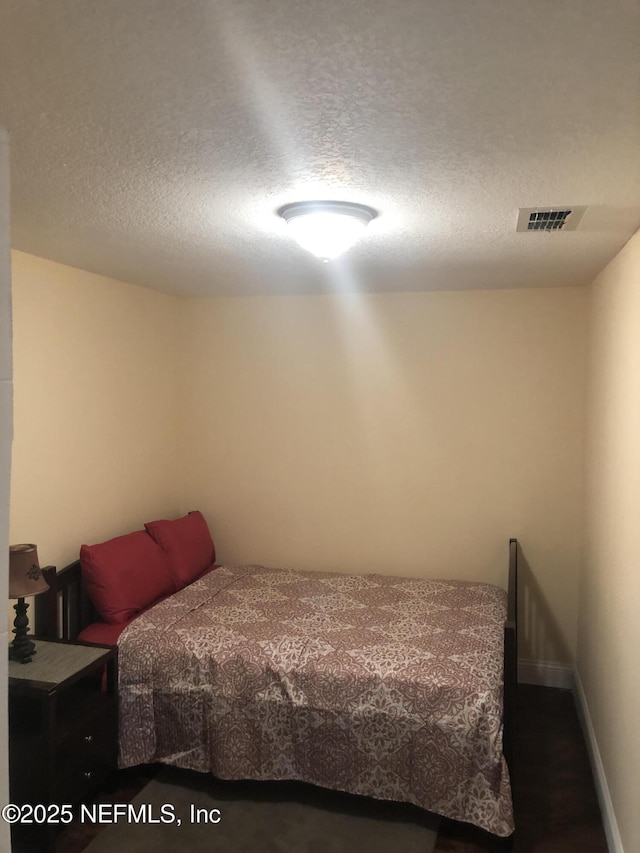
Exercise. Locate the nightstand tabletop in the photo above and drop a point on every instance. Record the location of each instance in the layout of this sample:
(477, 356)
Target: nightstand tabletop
(54, 663)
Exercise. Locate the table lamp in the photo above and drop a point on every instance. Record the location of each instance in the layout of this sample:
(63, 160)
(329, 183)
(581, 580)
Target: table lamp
(25, 579)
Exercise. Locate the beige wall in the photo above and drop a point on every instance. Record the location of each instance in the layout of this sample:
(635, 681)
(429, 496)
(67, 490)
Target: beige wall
(407, 433)
(609, 628)
(96, 421)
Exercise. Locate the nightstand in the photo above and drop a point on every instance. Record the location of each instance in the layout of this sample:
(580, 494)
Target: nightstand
(62, 722)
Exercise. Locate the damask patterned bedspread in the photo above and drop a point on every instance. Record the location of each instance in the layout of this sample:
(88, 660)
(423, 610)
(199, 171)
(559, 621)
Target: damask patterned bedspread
(382, 686)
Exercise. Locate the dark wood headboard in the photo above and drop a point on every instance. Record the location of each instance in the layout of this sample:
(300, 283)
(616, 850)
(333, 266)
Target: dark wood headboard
(64, 609)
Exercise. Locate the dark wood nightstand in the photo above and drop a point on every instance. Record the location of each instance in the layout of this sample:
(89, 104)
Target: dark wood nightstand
(63, 720)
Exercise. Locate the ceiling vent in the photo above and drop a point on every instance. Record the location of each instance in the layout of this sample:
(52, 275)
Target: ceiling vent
(549, 218)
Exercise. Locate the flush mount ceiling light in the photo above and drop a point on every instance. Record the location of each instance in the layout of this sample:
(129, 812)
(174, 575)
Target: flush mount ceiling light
(326, 228)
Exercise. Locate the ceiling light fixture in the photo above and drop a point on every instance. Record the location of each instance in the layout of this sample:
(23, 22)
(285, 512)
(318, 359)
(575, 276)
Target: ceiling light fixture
(326, 228)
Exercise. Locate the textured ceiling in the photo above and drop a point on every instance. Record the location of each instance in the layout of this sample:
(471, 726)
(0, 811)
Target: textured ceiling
(153, 141)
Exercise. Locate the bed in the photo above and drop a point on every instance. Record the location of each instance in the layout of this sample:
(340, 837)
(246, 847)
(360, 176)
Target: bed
(388, 687)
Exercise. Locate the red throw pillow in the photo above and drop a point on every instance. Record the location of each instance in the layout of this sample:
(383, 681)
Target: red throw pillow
(188, 545)
(125, 575)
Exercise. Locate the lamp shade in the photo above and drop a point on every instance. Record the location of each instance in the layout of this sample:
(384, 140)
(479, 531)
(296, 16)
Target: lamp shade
(25, 577)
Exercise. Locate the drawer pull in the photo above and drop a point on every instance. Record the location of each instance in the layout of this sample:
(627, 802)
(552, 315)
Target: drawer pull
(88, 738)
(88, 774)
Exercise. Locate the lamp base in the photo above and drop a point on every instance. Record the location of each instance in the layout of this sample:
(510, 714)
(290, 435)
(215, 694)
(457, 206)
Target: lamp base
(22, 649)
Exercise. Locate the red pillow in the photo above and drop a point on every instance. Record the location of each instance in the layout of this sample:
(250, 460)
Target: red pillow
(125, 575)
(188, 545)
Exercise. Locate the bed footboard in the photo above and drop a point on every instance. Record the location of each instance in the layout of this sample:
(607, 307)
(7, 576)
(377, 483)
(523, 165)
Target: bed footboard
(511, 659)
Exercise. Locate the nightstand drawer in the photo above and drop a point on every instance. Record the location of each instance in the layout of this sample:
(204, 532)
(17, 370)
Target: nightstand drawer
(80, 780)
(85, 757)
(81, 711)
(92, 743)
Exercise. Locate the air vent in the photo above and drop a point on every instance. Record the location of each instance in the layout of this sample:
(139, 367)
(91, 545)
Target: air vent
(549, 219)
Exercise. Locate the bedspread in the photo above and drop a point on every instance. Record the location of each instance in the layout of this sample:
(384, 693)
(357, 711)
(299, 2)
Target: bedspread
(376, 685)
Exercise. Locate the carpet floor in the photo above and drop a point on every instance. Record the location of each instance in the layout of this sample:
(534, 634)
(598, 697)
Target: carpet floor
(265, 818)
(556, 804)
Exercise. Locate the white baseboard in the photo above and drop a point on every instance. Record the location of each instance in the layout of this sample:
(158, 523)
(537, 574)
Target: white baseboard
(546, 673)
(606, 806)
